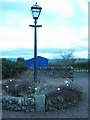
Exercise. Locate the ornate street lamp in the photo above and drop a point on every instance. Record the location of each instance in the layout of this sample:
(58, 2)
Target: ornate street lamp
(36, 10)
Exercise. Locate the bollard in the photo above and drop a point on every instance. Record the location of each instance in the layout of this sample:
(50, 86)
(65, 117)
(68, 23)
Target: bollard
(39, 103)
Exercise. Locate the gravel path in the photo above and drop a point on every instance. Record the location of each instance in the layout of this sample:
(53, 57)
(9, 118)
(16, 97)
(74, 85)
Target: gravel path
(77, 112)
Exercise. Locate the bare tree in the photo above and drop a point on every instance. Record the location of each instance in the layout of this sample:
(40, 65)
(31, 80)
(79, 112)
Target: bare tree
(66, 53)
(67, 61)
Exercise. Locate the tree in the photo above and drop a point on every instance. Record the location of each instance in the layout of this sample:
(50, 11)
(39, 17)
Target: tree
(67, 61)
(11, 69)
(20, 60)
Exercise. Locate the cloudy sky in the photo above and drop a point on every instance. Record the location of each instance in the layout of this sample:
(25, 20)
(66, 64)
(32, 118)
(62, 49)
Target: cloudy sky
(64, 26)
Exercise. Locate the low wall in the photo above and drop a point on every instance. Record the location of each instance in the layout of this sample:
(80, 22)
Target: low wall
(18, 103)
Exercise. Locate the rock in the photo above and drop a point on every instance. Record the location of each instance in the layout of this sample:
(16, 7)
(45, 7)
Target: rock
(32, 110)
(18, 103)
(19, 108)
(32, 101)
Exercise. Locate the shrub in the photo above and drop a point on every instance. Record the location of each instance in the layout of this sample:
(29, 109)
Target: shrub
(63, 98)
(17, 87)
(12, 69)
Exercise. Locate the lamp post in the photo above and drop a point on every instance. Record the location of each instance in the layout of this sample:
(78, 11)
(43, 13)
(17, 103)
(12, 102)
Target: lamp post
(36, 10)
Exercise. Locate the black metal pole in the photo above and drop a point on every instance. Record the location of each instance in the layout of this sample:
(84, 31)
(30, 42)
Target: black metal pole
(35, 48)
(35, 52)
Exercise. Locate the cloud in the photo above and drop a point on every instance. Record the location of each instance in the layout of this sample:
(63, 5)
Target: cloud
(83, 5)
(15, 38)
(63, 37)
(64, 7)
(81, 54)
(47, 37)
(48, 53)
(55, 32)
(83, 32)
(28, 53)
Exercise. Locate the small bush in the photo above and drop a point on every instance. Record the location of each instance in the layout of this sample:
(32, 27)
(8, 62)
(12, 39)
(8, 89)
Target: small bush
(62, 99)
(12, 69)
(16, 87)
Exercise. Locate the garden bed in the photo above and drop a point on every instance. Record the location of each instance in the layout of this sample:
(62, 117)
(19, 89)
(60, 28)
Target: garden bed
(63, 98)
(80, 111)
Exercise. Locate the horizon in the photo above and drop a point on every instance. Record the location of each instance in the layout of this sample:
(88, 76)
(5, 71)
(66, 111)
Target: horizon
(15, 59)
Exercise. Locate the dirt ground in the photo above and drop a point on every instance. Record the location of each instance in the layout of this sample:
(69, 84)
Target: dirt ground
(80, 111)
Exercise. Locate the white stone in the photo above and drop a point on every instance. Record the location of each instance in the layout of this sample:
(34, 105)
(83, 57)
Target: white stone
(58, 88)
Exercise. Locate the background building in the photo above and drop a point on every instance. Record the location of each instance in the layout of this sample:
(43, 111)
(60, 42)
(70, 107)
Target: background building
(41, 62)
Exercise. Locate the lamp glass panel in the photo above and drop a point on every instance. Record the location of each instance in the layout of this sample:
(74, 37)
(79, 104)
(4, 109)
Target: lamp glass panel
(35, 13)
